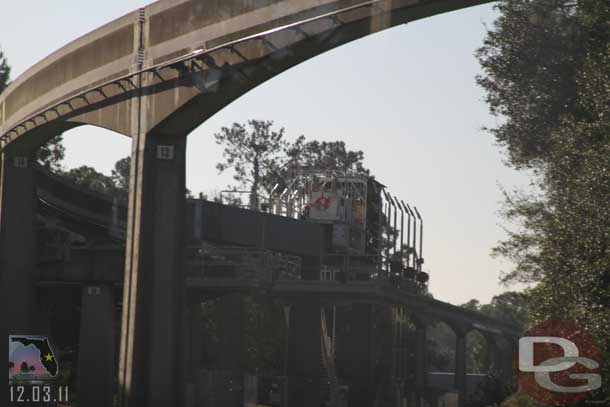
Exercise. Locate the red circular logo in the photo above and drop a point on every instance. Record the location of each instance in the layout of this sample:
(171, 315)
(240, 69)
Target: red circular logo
(322, 202)
(558, 363)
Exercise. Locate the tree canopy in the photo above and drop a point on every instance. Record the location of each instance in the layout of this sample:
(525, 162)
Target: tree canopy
(253, 151)
(5, 72)
(259, 156)
(546, 76)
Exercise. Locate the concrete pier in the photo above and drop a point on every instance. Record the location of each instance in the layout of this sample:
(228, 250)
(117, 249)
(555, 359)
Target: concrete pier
(150, 367)
(97, 350)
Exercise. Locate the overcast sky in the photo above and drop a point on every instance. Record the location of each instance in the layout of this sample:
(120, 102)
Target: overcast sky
(407, 97)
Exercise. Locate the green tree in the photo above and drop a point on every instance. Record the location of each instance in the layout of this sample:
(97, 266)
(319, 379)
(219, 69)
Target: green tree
(329, 155)
(5, 72)
(530, 59)
(89, 178)
(511, 307)
(120, 173)
(260, 156)
(52, 153)
(546, 77)
(253, 151)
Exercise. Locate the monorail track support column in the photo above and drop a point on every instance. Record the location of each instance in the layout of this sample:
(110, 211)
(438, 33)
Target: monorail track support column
(96, 353)
(18, 247)
(151, 368)
(460, 365)
(421, 361)
(304, 353)
(359, 355)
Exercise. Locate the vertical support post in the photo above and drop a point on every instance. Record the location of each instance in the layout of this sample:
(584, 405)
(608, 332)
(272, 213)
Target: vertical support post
(18, 243)
(194, 342)
(196, 339)
(231, 316)
(404, 206)
(358, 356)
(18, 248)
(421, 362)
(304, 354)
(311, 267)
(231, 361)
(460, 366)
(501, 355)
(154, 298)
(509, 358)
(494, 356)
(96, 353)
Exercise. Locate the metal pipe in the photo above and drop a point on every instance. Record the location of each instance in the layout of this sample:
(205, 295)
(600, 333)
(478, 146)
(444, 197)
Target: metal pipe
(379, 228)
(388, 217)
(408, 232)
(395, 229)
(421, 236)
(402, 229)
(414, 236)
(273, 190)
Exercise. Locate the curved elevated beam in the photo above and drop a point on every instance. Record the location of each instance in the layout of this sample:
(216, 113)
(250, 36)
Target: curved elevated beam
(155, 44)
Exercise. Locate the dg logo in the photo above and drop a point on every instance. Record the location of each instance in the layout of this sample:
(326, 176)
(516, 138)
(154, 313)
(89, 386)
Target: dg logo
(558, 363)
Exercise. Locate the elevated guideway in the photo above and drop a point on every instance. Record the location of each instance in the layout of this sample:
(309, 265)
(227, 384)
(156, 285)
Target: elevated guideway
(228, 229)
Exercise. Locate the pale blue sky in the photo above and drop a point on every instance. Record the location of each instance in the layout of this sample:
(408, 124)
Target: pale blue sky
(406, 96)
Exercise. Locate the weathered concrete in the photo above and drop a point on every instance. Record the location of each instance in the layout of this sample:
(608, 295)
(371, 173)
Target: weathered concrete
(97, 349)
(153, 293)
(304, 353)
(19, 313)
(18, 242)
(358, 356)
(167, 29)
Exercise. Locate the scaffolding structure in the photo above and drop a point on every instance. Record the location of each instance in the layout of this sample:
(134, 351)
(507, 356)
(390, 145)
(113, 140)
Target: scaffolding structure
(374, 234)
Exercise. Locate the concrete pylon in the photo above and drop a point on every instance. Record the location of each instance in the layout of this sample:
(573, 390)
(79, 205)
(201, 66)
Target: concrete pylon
(18, 244)
(18, 249)
(358, 356)
(151, 370)
(231, 312)
(421, 362)
(303, 354)
(460, 366)
(501, 354)
(96, 352)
